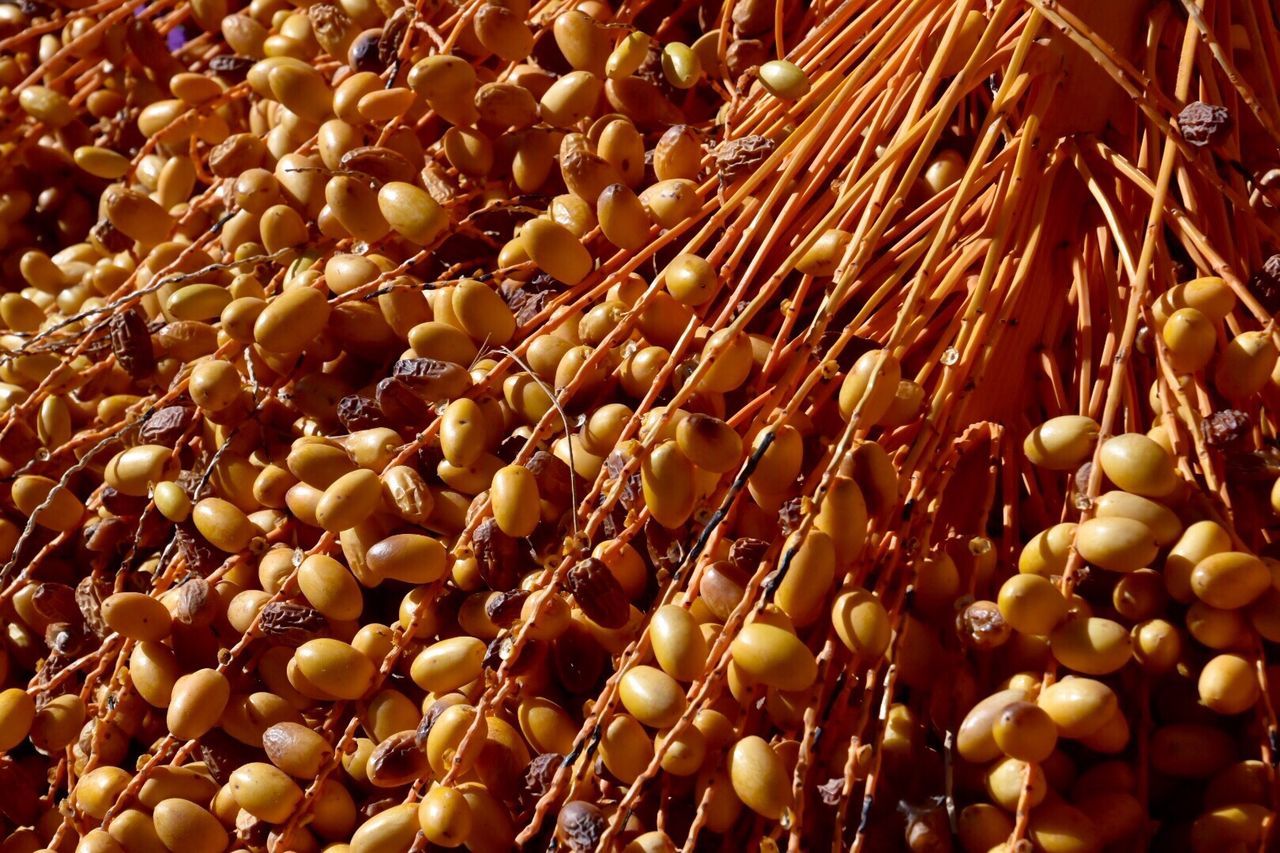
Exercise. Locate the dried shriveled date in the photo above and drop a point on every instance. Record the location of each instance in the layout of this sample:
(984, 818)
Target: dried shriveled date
(540, 773)
(553, 477)
(111, 238)
(223, 754)
(291, 624)
(56, 602)
(88, 596)
(1204, 124)
(580, 826)
(105, 535)
(398, 760)
(1265, 284)
(230, 66)
(357, 412)
(166, 426)
(746, 553)
(433, 380)
(498, 556)
(503, 608)
(382, 164)
(1226, 427)
(981, 625)
(578, 659)
(201, 557)
(400, 404)
(738, 157)
(527, 299)
(131, 343)
(598, 593)
(195, 605)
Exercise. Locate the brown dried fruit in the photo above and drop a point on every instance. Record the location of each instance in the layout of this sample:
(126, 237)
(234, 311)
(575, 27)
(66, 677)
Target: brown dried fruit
(496, 652)
(1265, 284)
(432, 380)
(580, 826)
(291, 624)
(1204, 124)
(166, 426)
(393, 32)
(89, 597)
(401, 405)
(553, 477)
(230, 67)
(598, 593)
(498, 556)
(529, 298)
(106, 534)
(791, 514)
(357, 412)
(56, 602)
(503, 608)
(195, 605)
(201, 557)
(1226, 427)
(237, 153)
(746, 553)
(382, 164)
(428, 720)
(223, 754)
(981, 625)
(540, 773)
(111, 237)
(578, 659)
(131, 343)
(737, 157)
(398, 760)
(331, 27)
